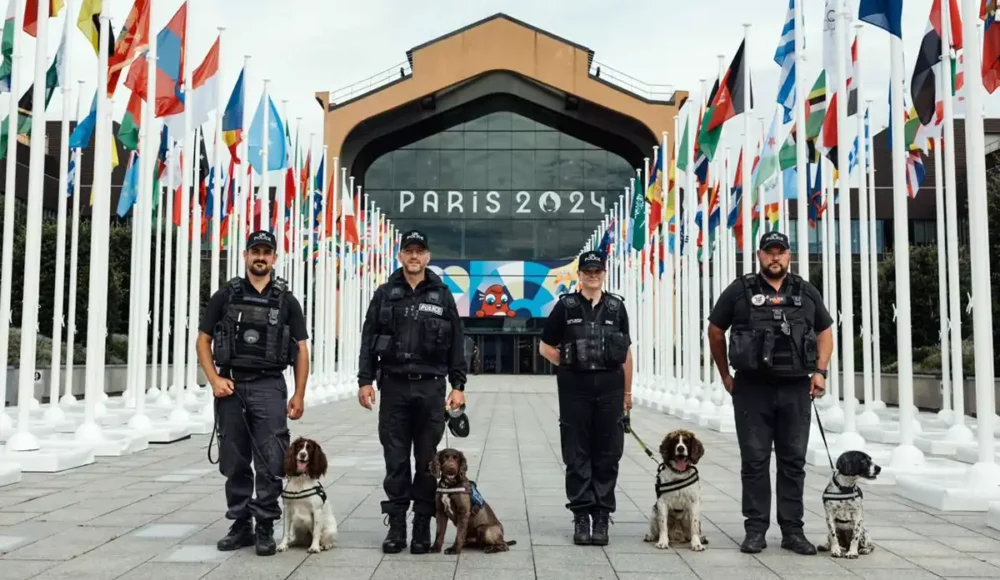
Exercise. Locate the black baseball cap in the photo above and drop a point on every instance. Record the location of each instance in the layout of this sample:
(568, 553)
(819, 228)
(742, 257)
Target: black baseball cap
(591, 259)
(262, 237)
(774, 239)
(413, 237)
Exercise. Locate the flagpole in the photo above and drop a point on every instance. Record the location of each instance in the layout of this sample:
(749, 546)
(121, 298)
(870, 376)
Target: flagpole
(946, 412)
(213, 280)
(265, 181)
(68, 400)
(982, 322)
(905, 455)
(877, 403)
(959, 431)
(747, 225)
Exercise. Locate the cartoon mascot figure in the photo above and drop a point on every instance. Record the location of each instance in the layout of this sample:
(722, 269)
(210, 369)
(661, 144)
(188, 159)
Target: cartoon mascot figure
(495, 303)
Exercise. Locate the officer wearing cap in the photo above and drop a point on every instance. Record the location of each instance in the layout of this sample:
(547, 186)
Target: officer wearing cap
(587, 337)
(251, 330)
(412, 339)
(780, 342)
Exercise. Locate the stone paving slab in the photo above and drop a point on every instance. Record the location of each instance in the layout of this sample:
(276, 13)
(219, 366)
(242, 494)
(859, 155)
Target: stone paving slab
(157, 514)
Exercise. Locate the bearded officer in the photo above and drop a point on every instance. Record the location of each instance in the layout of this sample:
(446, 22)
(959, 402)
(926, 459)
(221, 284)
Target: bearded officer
(412, 339)
(252, 329)
(587, 337)
(780, 342)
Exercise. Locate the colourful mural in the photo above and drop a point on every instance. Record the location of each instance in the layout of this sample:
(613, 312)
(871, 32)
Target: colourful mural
(506, 289)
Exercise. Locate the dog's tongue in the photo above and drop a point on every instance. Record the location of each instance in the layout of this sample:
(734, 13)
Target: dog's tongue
(301, 465)
(681, 464)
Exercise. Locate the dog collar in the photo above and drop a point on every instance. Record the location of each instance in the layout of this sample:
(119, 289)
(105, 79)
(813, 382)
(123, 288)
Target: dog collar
(842, 493)
(476, 498)
(666, 487)
(315, 490)
(452, 490)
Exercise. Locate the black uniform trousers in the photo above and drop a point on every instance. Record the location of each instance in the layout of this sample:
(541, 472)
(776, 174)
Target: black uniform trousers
(410, 418)
(772, 412)
(251, 422)
(592, 436)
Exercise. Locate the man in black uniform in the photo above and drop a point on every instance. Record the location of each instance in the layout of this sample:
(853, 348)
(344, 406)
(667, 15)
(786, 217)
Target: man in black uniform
(252, 329)
(587, 337)
(411, 340)
(780, 343)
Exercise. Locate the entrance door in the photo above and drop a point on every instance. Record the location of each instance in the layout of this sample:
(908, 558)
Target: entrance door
(525, 355)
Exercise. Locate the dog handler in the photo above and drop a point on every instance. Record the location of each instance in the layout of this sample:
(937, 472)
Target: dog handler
(252, 329)
(780, 343)
(411, 340)
(587, 337)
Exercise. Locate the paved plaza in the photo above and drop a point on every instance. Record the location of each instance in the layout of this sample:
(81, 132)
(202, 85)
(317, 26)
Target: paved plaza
(157, 514)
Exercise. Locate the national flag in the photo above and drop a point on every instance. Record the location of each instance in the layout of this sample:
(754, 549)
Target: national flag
(133, 40)
(708, 138)
(170, 58)
(232, 119)
(203, 96)
(638, 216)
(730, 101)
(816, 107)
(914, 173)
(991, 45)
(654, 191)
(784, 57)
(31, 14)
(130, 186)
(89, 23)
(26, 105)
(927, 69)
(277, 157)
(768, 167)
(128, 130)
(884, 14)
(7, 47)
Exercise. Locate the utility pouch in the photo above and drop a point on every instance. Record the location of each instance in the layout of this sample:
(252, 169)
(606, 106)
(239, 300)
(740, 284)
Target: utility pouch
(382, 343)
(744, 348)
(767, 347)
(222, 347)
(616, 348)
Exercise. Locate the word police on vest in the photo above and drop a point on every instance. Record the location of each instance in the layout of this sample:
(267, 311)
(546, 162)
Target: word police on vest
(432, 308)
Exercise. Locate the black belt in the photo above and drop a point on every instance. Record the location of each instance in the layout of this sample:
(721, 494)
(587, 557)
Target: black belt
(412, 376)
(249, 375)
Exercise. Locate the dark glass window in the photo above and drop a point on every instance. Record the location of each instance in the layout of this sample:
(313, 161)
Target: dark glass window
(500, 187)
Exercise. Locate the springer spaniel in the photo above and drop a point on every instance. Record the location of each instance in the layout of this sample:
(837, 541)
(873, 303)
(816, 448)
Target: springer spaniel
(459, 500)
(847, 536)
(308, 516)
(676, 515)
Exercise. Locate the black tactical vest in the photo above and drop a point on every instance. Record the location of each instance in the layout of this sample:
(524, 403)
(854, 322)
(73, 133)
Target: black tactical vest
(593, 339)
(776, 339)
(254, 333)
(413, 327)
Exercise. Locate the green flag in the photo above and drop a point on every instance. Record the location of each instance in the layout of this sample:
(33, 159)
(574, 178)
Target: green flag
(638, 217)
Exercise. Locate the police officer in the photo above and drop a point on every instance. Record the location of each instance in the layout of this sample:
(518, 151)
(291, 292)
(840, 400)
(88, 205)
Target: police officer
(411, 340)
(587, 337)
(252, 329)
(780, 342)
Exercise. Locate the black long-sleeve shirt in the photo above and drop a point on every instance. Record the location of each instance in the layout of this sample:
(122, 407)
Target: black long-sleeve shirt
(455, 366)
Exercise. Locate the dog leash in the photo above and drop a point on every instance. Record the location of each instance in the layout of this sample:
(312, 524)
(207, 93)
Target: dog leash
(822, 433)
(253, 441)
(627, 425)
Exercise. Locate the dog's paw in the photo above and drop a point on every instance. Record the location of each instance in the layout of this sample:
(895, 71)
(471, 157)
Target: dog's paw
(836, 552)
(851, 555)
(663, 545)
(866, 550)
(697, 548)
(314, 549)
(282, 546)
(649, 538)
(435, 548)
(452, 550)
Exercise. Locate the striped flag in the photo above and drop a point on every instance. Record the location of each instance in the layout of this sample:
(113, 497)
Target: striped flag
(784, 57)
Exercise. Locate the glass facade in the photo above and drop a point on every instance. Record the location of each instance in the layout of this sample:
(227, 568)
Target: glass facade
(500, 187)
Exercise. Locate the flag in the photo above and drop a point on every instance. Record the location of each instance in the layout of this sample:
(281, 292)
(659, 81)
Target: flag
(89, 23)
(133, 40)
(26, 105)
(927, 69)
(31, 14)
(638, 215)
(729, 100)
(768, 167)
(654, 191)
(130, 186)
(830, 39)
(232, 119)
(991, 45)
(170, 56)
(277, 157)
(708, 138)
(203, 96)
(128, 130)
(7, 48)
(816, 107)
(884, 14)
(784, 57)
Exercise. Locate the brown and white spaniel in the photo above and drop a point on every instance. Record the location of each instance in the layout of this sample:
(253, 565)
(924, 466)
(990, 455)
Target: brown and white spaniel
(676, 515)
(308, 515)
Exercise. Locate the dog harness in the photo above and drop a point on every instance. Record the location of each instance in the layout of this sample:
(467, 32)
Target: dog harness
(476, 500)
(315, 490)
(842, 493)
(666, 487)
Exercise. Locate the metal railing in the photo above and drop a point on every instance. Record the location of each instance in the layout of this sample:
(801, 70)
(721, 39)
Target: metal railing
(371, 84)
(631, 84)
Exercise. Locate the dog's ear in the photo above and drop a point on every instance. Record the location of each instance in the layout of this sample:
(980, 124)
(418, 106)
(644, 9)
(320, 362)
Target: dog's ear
(846, 465)
(463, 465)
(317, 462)
(289, 462)
(667, 445)
(697, 449)
(435, 466)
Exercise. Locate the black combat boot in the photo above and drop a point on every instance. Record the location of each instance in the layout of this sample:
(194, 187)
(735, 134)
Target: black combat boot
(601, 520)
(581, 529)
(265, 538)
(240, 536)
(395, 540)
(421, 543)
(753, 543)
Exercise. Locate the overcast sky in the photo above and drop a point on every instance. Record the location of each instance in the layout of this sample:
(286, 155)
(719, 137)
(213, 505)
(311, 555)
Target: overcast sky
(305, 46)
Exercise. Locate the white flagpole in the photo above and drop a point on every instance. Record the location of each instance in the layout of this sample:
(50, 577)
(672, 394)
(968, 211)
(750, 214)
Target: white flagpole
(213, 280)
(747, 223)
(68, 400)
(801, 165)
(265, 182)
(849, 439)
(877, 403)
(982, 322)
(946, 412)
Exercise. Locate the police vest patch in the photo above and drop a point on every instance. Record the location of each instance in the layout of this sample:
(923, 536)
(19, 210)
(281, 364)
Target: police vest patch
(574, 321)
(757, 300)
(432, 308)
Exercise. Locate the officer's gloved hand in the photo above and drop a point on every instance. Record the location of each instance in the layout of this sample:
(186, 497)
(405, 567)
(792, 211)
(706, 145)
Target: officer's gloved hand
(458, 421)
